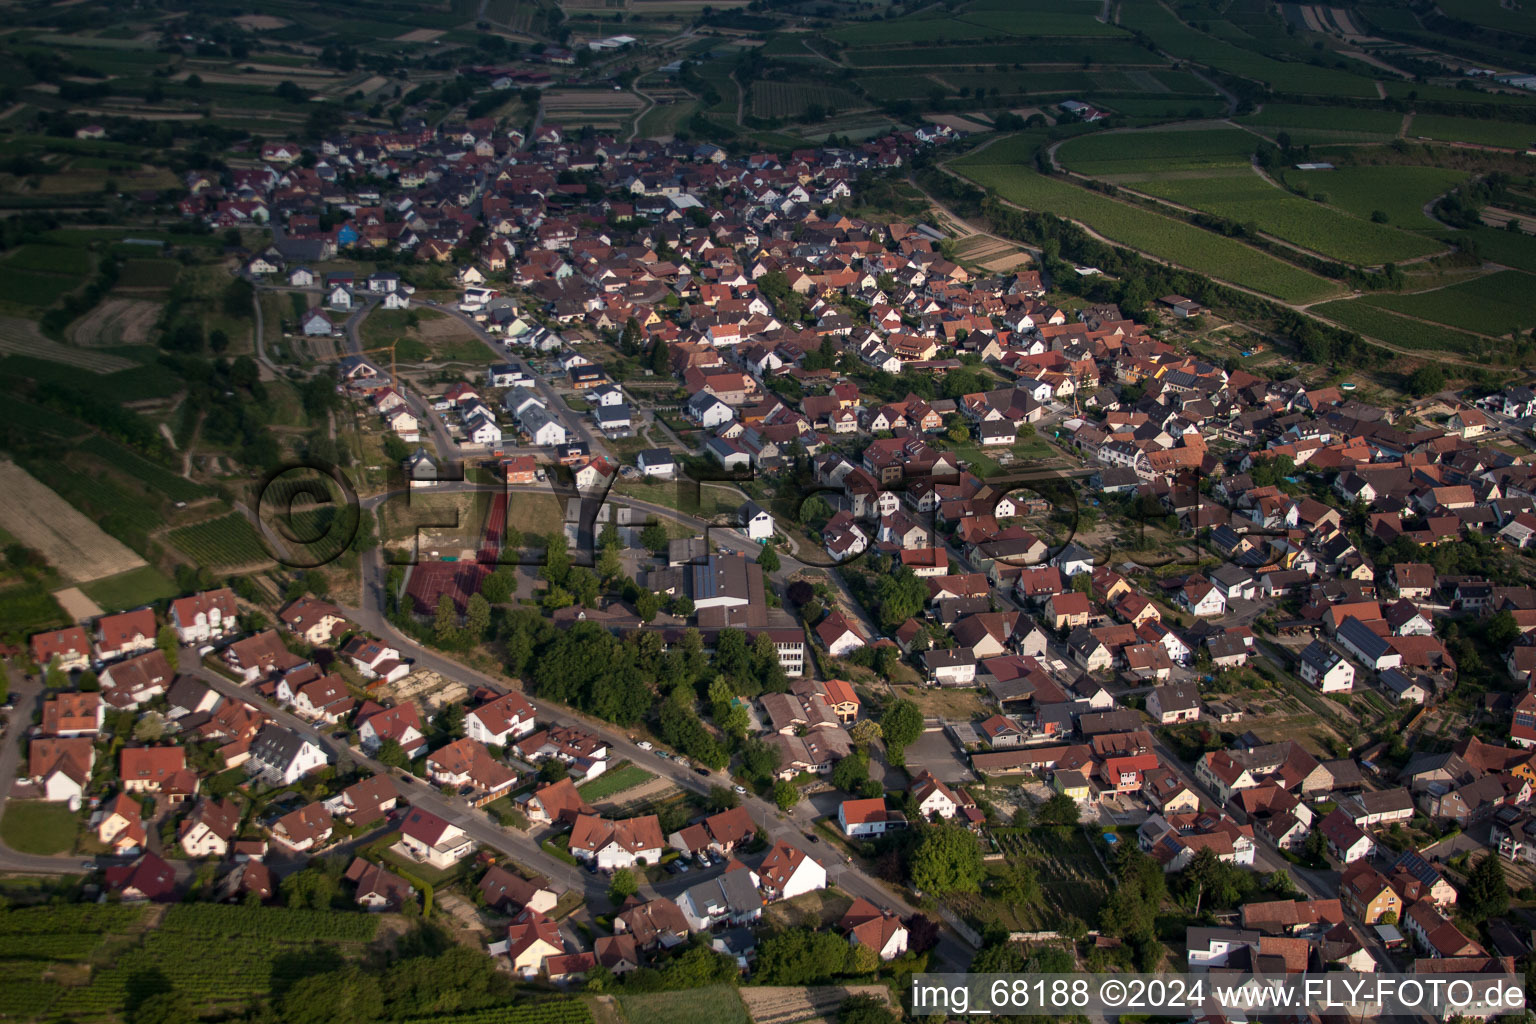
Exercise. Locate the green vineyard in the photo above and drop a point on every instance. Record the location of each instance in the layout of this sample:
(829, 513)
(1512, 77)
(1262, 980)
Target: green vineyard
(554, 1011)
(227, 540)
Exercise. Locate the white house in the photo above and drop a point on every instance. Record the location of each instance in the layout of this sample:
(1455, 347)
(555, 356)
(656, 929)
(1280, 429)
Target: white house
(788, 872)
(204, 616)
(431, 840)
(283, 757)
(1201, 598)
(616, 844)
(501, 721)
(756, 521)
(656, 462)
(860, 818)
(483, 431)
(1178, 702)
(730, 899)
(542, 428)
(1325, 668)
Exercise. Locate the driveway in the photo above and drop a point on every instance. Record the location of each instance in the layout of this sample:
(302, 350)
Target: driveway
(938, 753)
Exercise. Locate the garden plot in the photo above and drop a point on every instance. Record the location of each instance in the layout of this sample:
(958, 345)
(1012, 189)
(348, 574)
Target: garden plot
(40, 519)
(430, 689)
(420, 35)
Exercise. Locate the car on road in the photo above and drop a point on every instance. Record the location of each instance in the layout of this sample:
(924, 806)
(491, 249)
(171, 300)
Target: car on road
(88, 865)
(813, 837)
(645, 745)
(740, 789)
(702, 770)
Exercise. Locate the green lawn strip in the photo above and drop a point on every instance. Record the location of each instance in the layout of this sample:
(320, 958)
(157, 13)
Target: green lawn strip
(717, 1004)
(614, 780)
(130, 589)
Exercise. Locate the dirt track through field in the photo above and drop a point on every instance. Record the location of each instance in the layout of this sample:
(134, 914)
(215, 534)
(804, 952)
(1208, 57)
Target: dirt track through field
(20, 337)
(37, 517)
(116, 322)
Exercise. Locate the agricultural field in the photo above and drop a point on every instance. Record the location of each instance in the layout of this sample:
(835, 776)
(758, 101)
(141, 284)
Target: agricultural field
(1399, 191)
(1110, 154)
(601, 108)
(548, 1011)
(21, 337)
(229, 540)
(1242, 196)
(792, 99)
(1375, 322)
(1308, 125)
(1495, 304)
(1112, 53)
(223, 957)
(1211, 171)
(116, 322)
(1174, 36)
(74, 545)
(718, 1004)
(171, 484)
(1504, 134)
(1152, 233)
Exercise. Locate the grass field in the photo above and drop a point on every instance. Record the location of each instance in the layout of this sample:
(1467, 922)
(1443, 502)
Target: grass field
(616, 780)
(148, 274)
(1361, 316)
(1506, 134)
(130, 589)
(1398, 191)
(1152, 233)
(718, 1004)
(1494, 305)
(38, 827)
(34, 290)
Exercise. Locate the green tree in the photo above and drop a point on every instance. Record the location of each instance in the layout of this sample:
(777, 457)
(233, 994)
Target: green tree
(947, 860)
(1060, 809)
(660, 364)
(901, 725)
(900, 595)
(167, 642)
(768, 559)
(393, 754)
(497, 588)
(654, 537)
(957, 431)
(622, 886)
(814, 510)
(1487, 892)
(864, 732)
(477, 617)
(785, 794)
(851, 772)
(1426, 380)
(647, 604)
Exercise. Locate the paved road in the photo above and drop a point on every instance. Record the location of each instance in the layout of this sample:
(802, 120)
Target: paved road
(523, 847)
(28, 696)
(792, 827)
(575, 423)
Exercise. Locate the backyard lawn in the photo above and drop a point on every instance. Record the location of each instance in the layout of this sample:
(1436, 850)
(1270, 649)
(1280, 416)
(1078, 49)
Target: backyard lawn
(38, 827)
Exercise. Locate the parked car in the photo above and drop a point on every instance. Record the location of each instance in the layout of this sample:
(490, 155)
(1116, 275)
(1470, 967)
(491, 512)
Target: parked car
(740, 789)
(702, 770)
(645, 745)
